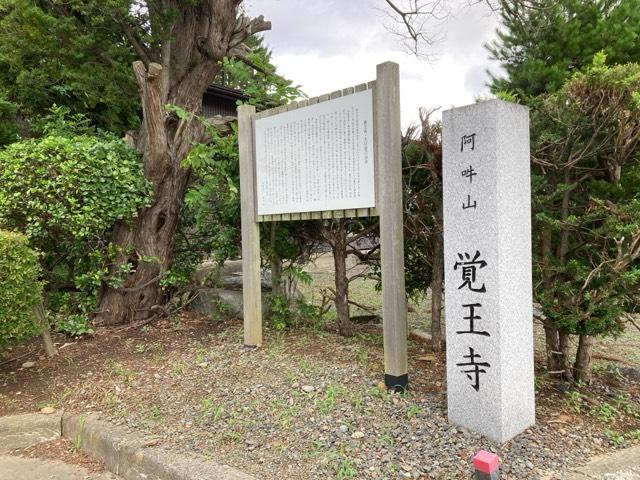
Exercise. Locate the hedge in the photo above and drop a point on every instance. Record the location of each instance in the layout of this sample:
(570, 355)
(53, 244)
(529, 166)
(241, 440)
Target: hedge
(20, 288)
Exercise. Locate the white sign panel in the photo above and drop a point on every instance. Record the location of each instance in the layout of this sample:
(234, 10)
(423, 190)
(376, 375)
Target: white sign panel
(316, 158)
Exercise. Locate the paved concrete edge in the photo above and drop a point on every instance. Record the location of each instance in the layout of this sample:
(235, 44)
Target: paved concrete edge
(20, 431)
(608, 464)
(125, 453)
(625, 459)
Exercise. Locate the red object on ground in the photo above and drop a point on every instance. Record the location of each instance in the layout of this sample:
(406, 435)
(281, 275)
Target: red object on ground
(486, 462)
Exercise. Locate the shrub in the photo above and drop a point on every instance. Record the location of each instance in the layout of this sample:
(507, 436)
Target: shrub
(20, 289)
(65, 192)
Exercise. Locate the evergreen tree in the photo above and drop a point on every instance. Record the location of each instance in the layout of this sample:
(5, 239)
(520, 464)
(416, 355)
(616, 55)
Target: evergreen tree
(541, 46)
(53, 54)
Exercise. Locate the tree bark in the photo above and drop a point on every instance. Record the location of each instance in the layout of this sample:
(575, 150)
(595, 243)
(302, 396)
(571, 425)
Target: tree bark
(189, 56)
(565, 355)
(552, 343)
(339, 247)
(436, 292)
(582, 365)
(49, 348)
(276, 264)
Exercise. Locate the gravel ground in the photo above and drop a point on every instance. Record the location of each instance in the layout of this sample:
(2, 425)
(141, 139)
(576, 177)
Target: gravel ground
(309, 405)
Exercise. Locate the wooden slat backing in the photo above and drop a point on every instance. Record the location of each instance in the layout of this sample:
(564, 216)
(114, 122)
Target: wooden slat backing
(327, 214)
(322, 98)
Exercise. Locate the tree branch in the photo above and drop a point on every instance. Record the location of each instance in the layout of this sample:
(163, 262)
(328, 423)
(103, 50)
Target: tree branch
(140, 49)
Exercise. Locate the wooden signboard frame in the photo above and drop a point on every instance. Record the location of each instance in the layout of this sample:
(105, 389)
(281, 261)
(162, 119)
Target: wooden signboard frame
(388, 194)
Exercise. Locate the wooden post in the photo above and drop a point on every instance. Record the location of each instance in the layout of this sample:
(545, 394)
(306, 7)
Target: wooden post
(251, 281)
(387, 131)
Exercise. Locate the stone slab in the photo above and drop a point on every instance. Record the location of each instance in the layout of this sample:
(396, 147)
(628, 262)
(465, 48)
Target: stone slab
(622, 465)
(488, 280)
(125, 454)
(17, 468)
(220, 303)
(20, 431)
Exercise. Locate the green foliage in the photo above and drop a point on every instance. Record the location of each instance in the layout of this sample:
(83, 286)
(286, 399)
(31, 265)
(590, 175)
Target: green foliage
(73, 324)
(210, 218)
(65, 193)
(65, 53)
(422, 197)
(614, 437)
(260, 82)
(8, 122)
(287, 313)
(20, 289)
(69, 187)
(422, 180)
(586, 200)
(540, 48)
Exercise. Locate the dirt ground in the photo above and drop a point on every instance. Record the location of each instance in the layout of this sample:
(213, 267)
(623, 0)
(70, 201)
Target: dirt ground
(309, 404)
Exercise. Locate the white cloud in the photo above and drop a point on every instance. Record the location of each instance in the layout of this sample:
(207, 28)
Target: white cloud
(331, 44)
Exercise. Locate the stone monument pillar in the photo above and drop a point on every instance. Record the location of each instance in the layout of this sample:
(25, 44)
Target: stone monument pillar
(488, 283)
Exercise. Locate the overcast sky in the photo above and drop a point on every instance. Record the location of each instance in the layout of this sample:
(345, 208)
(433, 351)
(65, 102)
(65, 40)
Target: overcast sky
(326, 45)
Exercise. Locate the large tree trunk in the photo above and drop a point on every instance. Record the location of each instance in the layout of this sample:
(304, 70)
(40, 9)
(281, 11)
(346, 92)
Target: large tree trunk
(203, 33)
(148, 249)
(582, 365)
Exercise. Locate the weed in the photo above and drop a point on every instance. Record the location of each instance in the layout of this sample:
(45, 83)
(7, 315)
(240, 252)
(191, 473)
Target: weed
(179, 367)
(621, 403)
(343, 466)
(329, 401)
(111, 400)
(77, 440)
(614, 437)
(317, 448)
(57, 398)
(386, 438)
(155, 413)
(140, 348)
(207, 408)
(279, 447)
(361, 354)
(372, 338)
(606, 412)
(304, 366)
(537, 382)
(120, 371)
(201, 353)
(346, 469)
(357, 402)
(414, 411)
(633, 435)
(574, 399)
(235, 437)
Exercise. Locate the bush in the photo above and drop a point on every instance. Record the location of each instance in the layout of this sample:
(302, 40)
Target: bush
(20, 289)
(65, 192)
